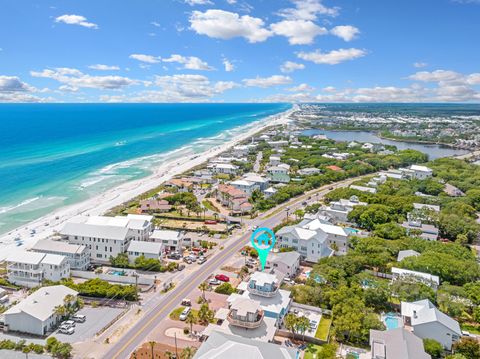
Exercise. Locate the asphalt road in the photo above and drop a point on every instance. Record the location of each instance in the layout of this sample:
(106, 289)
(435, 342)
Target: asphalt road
(134, 337)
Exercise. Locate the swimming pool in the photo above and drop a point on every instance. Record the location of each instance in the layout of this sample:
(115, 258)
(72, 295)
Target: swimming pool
(391, 321)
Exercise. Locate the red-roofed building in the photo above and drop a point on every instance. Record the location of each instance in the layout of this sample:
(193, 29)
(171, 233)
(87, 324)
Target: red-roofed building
(234, 199)
(334, 168)
(154, 205)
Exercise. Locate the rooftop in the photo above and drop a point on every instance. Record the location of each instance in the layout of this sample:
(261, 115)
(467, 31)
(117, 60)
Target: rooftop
(396, 343)
(164, 234)
(145, 247)
(57, 246)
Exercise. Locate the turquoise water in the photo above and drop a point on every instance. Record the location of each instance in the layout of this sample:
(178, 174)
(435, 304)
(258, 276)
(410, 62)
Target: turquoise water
(54, 155)
(391, 321)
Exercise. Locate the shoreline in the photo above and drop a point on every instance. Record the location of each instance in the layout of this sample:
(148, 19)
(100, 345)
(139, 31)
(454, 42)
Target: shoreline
(47, 225)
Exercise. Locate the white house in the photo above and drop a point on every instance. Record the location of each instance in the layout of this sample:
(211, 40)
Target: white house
(426, 278)
(427, 321)
(340, 209)
(260, 181)
(308, 171)
(30, 269)
(364, 189)
(36, 313)
(336, 237)
(172, 241)
(286, 263)
(406, 253)
(274, 160)
(151, 250)
(396, 343)
(278, 174)
(421, 172)
(138, 225)
(78, 255)
(245, 186)
(223, 168)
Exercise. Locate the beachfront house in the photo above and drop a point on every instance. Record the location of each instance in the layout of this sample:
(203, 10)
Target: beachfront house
(172, 241)
(149, 250)
(397, 343)
(426, 321)
(234, 199)
(278, 174)
(339, 210)
(222, 345)
(37, 314)
(431, 280)
(287, 263)
(139, 226)
(77, 255)
(30, 269)
(180, 184)
(153, 205)
(223, 168)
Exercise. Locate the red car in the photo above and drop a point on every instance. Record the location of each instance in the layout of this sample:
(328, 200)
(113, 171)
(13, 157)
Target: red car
(222, 277)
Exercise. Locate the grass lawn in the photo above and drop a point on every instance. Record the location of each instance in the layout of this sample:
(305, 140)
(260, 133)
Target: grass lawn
(209, 205)
(323, 328)
(175, 314)
(471, 328)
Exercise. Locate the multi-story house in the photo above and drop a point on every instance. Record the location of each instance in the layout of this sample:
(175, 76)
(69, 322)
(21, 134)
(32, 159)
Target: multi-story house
(172, 241)
(233, 198)
(340, 209)
(245, 313)
(30, 269)
(77, 255)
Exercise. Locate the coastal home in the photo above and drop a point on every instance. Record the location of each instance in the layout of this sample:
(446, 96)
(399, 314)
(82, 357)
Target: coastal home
(278, 144)
(286, 263)
(417, 172)
(310, 244)
(260, 181)
(30, 269)
(334, 168)
(278, 174)
(426, 321)
(37, 313)
(406, 253)
(340, 209)
(233, 198)
(453, 191)
(270, 191)
(431, 280)
(309, 171)
(246, 186)
(78, 256)
(223, 168)
(152, 205)
(336, 237)
(394, 174)
(425, 231)
(139, 226)
(221, 345)
(150, 250)
(180, 184)
(172, 241)
(274, 160)
(397, 343)
(242, 150)
(364, 189)
(204, 175)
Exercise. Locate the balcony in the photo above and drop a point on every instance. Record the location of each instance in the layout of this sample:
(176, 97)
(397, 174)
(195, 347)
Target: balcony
(264, 293)
(246, 324)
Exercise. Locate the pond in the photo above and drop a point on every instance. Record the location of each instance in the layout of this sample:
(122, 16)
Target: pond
(433, 151)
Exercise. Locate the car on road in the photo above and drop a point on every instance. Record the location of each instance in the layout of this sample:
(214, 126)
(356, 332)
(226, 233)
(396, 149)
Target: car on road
(186, 302)
(66, 330)
(201, 260)
(222, 278)
(181, 267)
(184, 314)
(330, 188)
(79, 318)
(187, 260)
(214, 281)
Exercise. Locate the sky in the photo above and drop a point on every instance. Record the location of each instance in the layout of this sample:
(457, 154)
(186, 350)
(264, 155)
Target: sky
(240, 51)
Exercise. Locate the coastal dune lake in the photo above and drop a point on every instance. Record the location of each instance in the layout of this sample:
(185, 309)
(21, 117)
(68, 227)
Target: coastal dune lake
(52, 155)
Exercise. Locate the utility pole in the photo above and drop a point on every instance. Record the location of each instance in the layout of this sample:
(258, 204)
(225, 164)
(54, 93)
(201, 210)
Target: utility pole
(176, 349)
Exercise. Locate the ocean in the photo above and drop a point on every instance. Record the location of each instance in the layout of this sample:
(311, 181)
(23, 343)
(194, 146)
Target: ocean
(53, 155)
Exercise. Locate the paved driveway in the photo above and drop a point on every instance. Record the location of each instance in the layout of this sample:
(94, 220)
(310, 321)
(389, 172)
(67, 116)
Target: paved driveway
(97, 318)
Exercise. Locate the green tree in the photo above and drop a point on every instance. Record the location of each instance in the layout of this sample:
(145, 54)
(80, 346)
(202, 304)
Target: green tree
(302, 325)
(225, 288)
(433, 347)
(188, 353)
(290, 322)
(203, 287)
(390, 230)
(205, 315)
(409, 290)
(191, 319)
(468, 347)
(120, 261)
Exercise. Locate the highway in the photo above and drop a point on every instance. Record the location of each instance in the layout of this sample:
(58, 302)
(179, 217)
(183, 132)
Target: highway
(134, 337)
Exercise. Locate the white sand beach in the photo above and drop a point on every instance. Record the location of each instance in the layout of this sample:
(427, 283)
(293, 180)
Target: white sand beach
(53, 222)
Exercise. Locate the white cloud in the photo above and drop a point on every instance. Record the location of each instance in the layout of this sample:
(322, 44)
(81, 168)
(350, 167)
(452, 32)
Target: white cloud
(333, 57)
(9, 84)
(198, 2)
(263, 82)
(75, 79)
(222, 24)
(308, 10)
(229, 67)
(329, 89)
(345, 32)
(145, 58)
(301, 88)
(76, 20)
(290, 66)
(420, 64)
(189, 62)
(436, 76)
(231, 2)
(101, 67)
(298, 32)
(473, 79)
(155, 23)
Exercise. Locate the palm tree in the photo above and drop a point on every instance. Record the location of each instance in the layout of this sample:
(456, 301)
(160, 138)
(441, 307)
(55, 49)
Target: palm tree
(205, 315)
(191, 319)
(302, 324)
(188, 353)
(169, 354)
(60, 311)
(290, 322)
(152, 346)
(203, 287)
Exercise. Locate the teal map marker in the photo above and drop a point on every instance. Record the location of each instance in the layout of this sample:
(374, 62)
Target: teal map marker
(263, 240)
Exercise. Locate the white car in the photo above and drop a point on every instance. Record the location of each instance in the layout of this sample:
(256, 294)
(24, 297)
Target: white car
(66, 330)
(79, 318)
(184, 314)
(68, 323)
(214, 281)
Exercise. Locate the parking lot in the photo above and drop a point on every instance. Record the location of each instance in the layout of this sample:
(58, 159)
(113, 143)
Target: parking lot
(97, 318)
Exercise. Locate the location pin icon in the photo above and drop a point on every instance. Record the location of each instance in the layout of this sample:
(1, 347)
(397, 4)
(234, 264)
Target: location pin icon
(263, 240)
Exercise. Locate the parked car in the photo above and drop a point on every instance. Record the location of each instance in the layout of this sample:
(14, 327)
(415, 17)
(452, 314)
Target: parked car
(68, 323)
(66, 330)
(79, 318)
(187, 260)
(181, 267)
(184, 314)
(174, 255)
(214, 281)
(186, 302)
(222, 277)
(201, 260)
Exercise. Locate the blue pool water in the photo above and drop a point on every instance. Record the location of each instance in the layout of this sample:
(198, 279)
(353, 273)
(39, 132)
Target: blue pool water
(391, 321)
(54, 155)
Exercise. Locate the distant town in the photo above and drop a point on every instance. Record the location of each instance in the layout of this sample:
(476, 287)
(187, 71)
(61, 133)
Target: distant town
(376, 255)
